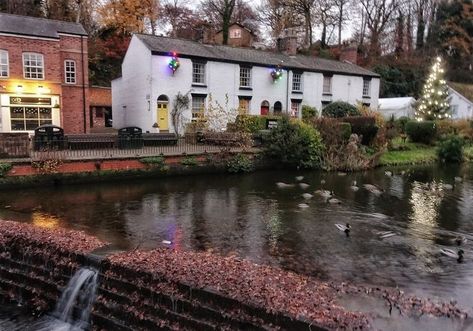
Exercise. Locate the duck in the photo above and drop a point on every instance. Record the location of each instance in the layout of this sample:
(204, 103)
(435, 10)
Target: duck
(167, 242)
(303, 205)
(299, 178)
(450, 253)
(284, 185)
(373, 189)
(303, 185)
(322, 181)
(388, 173)
(354, 186)
(307, 196)
(459, 240)
(344, 228)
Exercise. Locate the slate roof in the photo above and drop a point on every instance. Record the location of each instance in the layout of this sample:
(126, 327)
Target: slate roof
(187, 48)
(38, 27)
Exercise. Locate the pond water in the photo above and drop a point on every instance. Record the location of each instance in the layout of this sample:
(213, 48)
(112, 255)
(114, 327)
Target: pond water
(250, 216)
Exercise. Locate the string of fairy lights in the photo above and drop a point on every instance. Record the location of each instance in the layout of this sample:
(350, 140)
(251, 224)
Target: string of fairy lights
(434, 103)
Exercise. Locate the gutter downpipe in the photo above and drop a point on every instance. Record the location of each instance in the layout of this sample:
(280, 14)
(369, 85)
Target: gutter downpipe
(83, 83)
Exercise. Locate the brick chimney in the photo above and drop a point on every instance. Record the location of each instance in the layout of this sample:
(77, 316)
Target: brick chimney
(287, 43)
(349, 53)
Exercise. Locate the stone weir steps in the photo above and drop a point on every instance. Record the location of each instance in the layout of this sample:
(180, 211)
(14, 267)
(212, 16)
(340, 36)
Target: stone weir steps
(131, 300)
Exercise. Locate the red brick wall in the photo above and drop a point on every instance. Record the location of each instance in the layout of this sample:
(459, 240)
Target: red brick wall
(54, 53)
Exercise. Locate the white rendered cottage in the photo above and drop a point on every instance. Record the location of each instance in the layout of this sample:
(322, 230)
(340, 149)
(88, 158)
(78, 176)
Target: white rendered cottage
(254, 81)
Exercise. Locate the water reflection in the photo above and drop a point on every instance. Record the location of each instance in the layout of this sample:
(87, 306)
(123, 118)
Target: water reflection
(249, 216)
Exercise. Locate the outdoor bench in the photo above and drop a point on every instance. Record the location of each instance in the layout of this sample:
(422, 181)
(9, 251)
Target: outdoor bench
(159, 139)
(91, 141)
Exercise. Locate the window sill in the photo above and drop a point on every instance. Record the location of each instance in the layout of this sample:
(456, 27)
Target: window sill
(366, 97)
(246, 88)
(198, 85)
(327, 94)
(297, 92)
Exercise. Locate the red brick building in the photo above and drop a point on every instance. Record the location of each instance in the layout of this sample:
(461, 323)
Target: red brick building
(43, 74)
(100, 107)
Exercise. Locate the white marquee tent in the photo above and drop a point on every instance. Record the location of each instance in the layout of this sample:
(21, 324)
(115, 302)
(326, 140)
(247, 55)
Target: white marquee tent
(398, 107)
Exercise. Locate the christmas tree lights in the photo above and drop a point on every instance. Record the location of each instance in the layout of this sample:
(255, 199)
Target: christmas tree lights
(277, 73)
(174, 63)
(435, 102)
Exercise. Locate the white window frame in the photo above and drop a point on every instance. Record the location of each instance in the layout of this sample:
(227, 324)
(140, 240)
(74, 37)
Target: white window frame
(39, 69)
(366, 87)
(327, 85)
(296, 82)
(200, 109)
(198, 71)
(4, 66)
(235, 34)
(245, 76)
(70, 76)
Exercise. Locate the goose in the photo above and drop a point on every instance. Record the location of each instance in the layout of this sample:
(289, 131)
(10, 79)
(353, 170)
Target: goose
(307, 196)
(299, 178)
(450, 253)
(166, 242)
(458, 179)
(354, 187)
(322, 181)
(459, 240)
(344, 228)
(373, 189)
(303, 185)
(284, 185)
(388, 173)
(303, 205)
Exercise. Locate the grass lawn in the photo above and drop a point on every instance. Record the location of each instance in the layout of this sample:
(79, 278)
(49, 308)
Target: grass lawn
(409, 153)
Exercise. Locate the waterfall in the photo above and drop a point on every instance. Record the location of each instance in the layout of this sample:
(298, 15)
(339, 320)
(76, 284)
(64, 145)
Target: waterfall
(79, 292)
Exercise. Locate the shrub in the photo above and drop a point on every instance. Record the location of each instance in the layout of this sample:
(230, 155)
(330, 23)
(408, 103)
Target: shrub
(295, 144)
(157, 161)
(240, 163)
(340, 109)
(189, 161)
(250, 123)
(451, 149)
(239, 138)
(308, 112)
(345, 130)
(400, 123)
(462, 128)
(421, 132)
(364, 126)
(4, 168)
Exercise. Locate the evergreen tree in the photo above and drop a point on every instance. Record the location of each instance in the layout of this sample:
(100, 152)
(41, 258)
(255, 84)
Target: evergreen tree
(434, 103)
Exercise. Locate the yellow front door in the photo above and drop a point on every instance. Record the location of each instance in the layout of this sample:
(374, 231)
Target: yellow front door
(163, 121)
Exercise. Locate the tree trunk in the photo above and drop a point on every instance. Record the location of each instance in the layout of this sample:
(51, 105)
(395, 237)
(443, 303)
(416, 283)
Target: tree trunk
(420, 30)
(340, 21)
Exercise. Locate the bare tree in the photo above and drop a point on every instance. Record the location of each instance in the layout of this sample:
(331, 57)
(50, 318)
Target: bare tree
(379, 14)
(219, 11)
(277, 15)
(341, 6)
(325, 17)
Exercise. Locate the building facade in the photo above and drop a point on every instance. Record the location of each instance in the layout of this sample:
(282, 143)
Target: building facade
(253, 81)
(460, 106)
(43, 74)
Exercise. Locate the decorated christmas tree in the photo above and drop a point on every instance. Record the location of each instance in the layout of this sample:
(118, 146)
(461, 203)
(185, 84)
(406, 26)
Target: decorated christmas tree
(434, 103)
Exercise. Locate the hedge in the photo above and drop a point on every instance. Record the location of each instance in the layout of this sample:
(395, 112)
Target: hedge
(364, 126)
(421, 132)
